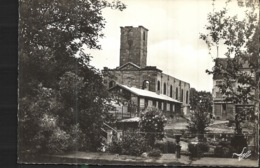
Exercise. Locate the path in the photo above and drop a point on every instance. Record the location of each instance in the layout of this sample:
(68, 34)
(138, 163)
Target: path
(183, 125)
(165, 159)
(209, 161)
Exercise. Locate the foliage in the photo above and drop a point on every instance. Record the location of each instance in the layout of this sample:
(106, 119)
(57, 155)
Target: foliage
(152, 124)
(60, 94)
(238, 142)
(200, 118)
(226, 148)
(166, 146)
(115, 146)
(155, 153)
(240, 37)
(131, 144)
(223, 149)
(197, 150)
(197, 96)
(238, 69)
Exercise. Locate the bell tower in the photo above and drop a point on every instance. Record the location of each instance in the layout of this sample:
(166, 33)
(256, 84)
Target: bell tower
(133, 45)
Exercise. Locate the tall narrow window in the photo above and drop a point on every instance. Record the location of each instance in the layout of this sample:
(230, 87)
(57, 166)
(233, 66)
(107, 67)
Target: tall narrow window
(224, 107)
(164, 88)
(143, 35)
(171, 91)
(182, 95)
(159, 105)
(177, 96)
(158, 85)
(187, 97)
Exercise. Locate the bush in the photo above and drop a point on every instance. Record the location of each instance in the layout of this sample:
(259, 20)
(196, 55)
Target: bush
(155, 153)
(197, 150)
(238, 142)
(152, 122)
(115, 147)
(131, 144)
(223, 149)
(58, 141)
(166, 146)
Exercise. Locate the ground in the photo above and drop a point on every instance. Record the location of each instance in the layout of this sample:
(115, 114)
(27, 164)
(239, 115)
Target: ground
(165, 159)
(182, 124)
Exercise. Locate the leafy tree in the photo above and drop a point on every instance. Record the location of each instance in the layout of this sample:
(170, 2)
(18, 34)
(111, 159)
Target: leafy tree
(196, 96)
(200, 118)
(239, 72)
(240, 37)
(152, 124)
(61, 97)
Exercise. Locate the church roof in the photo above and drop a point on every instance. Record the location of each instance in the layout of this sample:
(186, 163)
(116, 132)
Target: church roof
(146, 93)
(129, 63)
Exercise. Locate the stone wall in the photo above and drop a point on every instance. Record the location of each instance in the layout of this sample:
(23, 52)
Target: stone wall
(136, 78)
(133, 46)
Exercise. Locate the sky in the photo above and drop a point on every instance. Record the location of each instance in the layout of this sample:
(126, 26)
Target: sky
(173, 37)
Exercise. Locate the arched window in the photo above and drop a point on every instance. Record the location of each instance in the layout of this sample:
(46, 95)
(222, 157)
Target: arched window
(164, 88)
(177, 96)
(158, 85)
(146, 85)
(112, 83)
(171, 91)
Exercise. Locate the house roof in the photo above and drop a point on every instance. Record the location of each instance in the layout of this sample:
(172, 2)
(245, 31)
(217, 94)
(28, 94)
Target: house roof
(135, 119)
(146, 93)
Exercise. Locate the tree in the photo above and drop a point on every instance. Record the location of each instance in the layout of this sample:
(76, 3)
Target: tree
(196, 96)
(61, 97)
(152, 124)
(241, 38)
(200, 118)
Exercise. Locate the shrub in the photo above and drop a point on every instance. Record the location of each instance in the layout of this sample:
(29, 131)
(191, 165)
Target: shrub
(238, 142)
(166, 146)
(58, 141)
(197, 150)
(131, 144)
(223, 149)
(152, 122)
(155, 153)
(115, 147)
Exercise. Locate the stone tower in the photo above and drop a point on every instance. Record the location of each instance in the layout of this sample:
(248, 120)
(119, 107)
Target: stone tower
(133, 46)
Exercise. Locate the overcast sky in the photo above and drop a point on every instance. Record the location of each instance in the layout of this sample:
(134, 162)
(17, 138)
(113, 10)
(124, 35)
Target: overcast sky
(173, 38)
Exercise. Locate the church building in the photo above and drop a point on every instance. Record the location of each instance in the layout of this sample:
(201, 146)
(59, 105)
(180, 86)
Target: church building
(148, 84)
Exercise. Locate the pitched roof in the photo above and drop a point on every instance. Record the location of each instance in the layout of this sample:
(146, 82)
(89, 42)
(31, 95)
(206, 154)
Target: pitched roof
(134, 119)
(146, 93)
(129, 63)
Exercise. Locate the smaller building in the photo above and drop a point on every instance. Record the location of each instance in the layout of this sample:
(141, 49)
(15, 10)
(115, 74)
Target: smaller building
(223, 109)
(134, 100)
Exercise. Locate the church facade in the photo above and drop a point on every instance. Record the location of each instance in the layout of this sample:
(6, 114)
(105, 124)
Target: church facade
(134, 72)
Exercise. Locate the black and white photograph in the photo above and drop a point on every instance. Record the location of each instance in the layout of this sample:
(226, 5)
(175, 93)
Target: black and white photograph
(139, 82)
